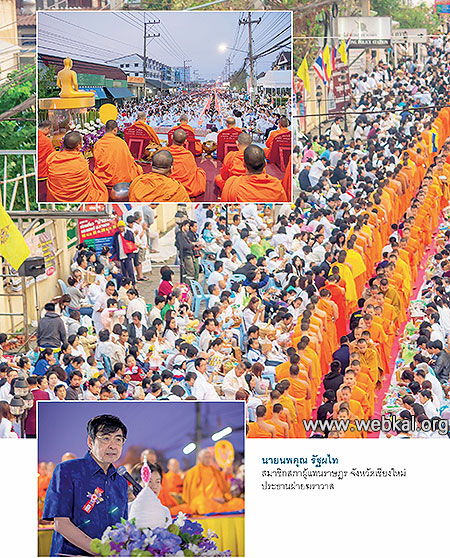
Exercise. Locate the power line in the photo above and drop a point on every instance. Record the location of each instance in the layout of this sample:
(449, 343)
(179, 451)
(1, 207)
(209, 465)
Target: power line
(88, 30)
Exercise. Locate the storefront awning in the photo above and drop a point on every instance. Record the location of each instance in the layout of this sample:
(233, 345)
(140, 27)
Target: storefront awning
(119, 92)
(99, 92)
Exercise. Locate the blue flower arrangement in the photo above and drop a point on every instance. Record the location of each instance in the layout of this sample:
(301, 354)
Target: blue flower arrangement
(183, 538)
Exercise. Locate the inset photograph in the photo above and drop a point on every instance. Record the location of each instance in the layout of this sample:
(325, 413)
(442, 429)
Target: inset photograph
(141, 479)
(134, 109)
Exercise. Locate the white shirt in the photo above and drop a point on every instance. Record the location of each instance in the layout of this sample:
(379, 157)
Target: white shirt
(205, 340)
(231, 384)
(137, 305)
(215, 278)
(203, 390)
(4, 392)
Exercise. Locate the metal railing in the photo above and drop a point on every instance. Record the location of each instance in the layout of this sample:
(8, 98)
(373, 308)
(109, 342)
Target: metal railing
(21, 158)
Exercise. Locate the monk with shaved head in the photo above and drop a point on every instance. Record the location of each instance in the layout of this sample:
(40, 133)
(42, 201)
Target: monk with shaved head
(113, 160)
(185, 168)
(205, 488)
(283, 127)
(45, 147)
(142, 125)
(230, 121)
(233, 163)
(69, 177)
(158, 185)
(198, 150)
(256, 185)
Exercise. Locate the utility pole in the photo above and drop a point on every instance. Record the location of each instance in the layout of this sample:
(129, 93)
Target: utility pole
(184, 73)
(249, 22)
(147, 36)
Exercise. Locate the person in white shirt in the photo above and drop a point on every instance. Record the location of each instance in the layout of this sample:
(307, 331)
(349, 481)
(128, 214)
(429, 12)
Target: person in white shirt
(155, 312)
(5, 394)
(316, 171)
(203, 389)
(241, 245)
(353, 167)
(93, 391)
(233, 381)
(436, 330)
(336, 134)
(217, 277)
(425, 400)
(136, 304)
(206, 335)
(100, 305)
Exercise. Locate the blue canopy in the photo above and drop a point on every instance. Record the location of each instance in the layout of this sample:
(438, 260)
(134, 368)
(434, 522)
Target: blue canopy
(99, 92)
(120, 92)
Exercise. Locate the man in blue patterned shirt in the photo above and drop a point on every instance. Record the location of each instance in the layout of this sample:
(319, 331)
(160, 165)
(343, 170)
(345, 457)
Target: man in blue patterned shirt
(87, 495)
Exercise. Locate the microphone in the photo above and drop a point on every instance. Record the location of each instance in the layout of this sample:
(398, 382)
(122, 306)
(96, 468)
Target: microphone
(126, 475)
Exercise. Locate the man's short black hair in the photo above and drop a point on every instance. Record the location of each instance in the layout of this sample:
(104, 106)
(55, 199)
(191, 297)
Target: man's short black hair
(106, 424)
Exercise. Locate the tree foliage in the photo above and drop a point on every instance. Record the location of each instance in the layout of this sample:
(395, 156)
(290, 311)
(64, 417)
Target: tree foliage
(47, 83)
(410, 17)
(20, 131)
(239, 79)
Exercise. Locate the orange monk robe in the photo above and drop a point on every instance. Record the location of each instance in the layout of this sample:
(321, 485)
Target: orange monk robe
(280, 431)
(287, 179)
(185, 170)
(378, 336)
(311, 354)
(150, 131)
(155, 187)
(331, 332)
(45, 148)
(338, 297)
(233, 165)
(297, 429)
(253, 188)
(113, 161)
(356, 408)
(365, 384)
(388, 328)
(70, 180)
(351, 295)
(358, 269)
(361, 397)
(370, 360)
(394, 300)
(255, 431)
(198, 149)
(272, 136)
(165, 497)
(202, 484)
(282, 372)
(173, 482)
(352, 432)
(283, 416)
(298, 390)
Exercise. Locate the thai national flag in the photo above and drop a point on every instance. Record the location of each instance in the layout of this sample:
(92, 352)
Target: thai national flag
(319, 68)
(333, 58)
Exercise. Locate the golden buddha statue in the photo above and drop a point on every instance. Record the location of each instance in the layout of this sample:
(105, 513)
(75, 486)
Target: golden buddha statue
(67, 81)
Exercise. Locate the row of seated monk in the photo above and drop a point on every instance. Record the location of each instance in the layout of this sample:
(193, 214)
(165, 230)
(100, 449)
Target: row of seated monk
(139, 135)
(174, 177)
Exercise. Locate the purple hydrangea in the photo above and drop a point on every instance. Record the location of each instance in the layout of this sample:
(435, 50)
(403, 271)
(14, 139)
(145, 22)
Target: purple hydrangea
(165, 542)
(192, 528)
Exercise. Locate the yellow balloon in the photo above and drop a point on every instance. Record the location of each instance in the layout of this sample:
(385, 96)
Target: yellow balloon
(224, 453)
(107, 112)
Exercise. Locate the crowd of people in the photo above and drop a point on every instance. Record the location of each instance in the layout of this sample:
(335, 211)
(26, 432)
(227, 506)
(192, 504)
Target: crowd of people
(300, 305)
(175, 174)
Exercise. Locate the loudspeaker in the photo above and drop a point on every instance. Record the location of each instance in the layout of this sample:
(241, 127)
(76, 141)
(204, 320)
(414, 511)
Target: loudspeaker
(32, 267)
